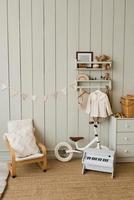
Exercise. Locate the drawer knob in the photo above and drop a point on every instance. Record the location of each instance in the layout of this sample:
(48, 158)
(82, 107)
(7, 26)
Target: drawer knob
(125, 138)
(126, 151)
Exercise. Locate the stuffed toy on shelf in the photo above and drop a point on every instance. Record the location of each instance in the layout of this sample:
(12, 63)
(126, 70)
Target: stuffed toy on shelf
(103, 58)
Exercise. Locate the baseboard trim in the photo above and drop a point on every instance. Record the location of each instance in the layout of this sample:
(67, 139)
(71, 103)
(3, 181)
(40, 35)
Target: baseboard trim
(128, 159)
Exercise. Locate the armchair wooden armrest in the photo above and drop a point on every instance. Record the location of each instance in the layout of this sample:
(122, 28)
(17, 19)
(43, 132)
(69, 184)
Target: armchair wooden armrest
(12, 154)
(12, 164)
(11, 151)
(42, 148)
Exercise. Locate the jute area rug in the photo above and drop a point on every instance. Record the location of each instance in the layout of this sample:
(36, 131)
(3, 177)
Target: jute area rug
(64, 181)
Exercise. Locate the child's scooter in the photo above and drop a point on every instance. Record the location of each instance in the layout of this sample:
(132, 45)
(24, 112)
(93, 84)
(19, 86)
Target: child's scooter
(99, 158)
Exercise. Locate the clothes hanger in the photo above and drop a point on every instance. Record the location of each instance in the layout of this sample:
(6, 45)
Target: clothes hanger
(99, 89)
(82, 91)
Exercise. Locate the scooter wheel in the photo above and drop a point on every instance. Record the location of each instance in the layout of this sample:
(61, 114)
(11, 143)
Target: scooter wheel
(60, 152)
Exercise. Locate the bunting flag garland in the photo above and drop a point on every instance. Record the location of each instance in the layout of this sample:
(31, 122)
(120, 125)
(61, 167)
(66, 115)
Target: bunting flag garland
(64, 91)
(34, 97)
(45, 98)
(55, 94)
(14, 92)
(73, 85)
(3, 86)
(24, 96)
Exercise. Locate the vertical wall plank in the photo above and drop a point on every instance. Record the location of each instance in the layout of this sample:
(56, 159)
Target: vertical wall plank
(38, 65)
(4, 96)
(26, 56)
(118, 53)
(96, 25)
(14, 57)
(50, 125)
(107, 47)
(84, 45)
(73, 12)
(107, 27)
(84, 28)
(96, 39)
(61, 69)
(129, 49)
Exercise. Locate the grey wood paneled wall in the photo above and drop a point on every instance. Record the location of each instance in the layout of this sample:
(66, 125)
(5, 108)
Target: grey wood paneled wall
(38, 42)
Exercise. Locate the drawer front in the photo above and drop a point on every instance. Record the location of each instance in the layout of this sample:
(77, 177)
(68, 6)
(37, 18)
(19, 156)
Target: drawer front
(125, 150)
(125, 125)
(125, 138)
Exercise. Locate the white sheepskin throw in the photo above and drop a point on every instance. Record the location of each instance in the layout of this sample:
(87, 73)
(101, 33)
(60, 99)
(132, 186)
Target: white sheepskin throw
(3, 176)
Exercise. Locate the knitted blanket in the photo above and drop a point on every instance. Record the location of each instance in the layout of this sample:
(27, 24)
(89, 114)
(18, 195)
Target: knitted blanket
(3, 176)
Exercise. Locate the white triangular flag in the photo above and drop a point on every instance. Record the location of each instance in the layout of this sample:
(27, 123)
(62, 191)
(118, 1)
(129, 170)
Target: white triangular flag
(24, 96)
(34, 97)
(3, 86)
(64, 91)
(73, 85)
(55, 94)
(45, 98)
(14, 93)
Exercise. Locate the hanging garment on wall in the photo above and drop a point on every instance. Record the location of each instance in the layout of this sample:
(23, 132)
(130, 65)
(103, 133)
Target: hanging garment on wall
(82, 99)
(98, 105)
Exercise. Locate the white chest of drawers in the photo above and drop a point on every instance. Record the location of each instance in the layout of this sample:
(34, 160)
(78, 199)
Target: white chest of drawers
(121, 138)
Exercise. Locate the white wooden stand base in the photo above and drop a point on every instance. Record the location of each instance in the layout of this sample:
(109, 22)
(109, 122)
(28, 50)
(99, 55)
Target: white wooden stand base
(102, 160)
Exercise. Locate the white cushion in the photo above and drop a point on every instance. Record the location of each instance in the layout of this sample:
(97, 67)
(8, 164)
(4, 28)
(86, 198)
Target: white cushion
(23, 142)
(2, 185)
(37, 155)
(16, 125)
(3, 176)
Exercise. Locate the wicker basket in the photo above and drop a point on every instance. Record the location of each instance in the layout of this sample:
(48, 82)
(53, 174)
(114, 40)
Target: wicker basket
(127, 105)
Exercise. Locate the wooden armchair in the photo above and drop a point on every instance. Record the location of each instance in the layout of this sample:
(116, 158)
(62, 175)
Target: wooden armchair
(39, 158)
